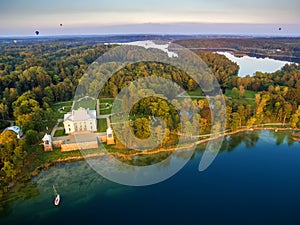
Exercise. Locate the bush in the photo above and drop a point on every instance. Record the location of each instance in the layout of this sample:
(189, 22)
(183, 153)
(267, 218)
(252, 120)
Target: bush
(32, 137)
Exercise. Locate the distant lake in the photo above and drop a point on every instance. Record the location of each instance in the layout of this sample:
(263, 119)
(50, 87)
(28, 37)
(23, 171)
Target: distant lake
(255, 179)
(250, 65)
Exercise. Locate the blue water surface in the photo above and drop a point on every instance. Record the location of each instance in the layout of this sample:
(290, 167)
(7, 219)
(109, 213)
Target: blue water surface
(255, 179)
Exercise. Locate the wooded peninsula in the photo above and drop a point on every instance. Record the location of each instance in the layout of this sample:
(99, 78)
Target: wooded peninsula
(36, 76)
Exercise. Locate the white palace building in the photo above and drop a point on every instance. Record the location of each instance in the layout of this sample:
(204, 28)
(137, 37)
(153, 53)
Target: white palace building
(80, 120)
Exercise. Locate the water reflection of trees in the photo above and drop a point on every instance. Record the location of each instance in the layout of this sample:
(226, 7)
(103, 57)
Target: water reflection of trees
(145, 160)
(20, 192)
(231, 142)
(281, 137)
(250, 139)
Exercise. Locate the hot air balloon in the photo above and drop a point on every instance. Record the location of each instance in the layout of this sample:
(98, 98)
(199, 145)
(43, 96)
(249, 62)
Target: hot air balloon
(279, 28)
(15, 41)
(37, 32)
(60, 24)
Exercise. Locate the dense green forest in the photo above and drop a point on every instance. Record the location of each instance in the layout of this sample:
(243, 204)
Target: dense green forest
(32, 78)
(35, 76)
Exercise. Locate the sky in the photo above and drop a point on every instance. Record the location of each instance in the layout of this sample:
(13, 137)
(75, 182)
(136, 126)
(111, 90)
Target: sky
(23, 17)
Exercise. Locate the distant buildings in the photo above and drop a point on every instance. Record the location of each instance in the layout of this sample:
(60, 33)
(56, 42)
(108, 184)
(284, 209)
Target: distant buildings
(80, 120)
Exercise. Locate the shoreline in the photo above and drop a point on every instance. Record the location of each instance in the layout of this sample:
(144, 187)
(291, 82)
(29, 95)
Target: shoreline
(161, 150)
(71, 159)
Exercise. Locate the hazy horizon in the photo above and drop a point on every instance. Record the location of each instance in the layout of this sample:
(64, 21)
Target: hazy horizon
(233, 17)
(171, 29)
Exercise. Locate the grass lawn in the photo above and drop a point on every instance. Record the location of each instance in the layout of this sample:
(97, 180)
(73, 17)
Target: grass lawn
(101, 125)
(103, 107)
(107, 100)
(67, 107)
(55, 155)
(59, 133)
(248, 94)
(248, 98)
(105, 111)
(61, 124)
(197, 92)
(86, 103)
(37, 157)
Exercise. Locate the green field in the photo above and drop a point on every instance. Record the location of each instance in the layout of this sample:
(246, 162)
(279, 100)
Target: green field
(248, 94)
(104, 110)
(86, 103)
(59, 133)
(101, 125)
(197, 92)
(67, 107)
(39, 158)
(248, 98)
(55, 155)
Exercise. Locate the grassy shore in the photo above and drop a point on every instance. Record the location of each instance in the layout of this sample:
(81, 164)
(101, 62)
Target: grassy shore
(39, 160)
(76, 155)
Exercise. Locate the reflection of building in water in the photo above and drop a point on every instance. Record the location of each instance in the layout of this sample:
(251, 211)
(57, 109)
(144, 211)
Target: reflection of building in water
(109, 138)
(47, 142)
(80, 120)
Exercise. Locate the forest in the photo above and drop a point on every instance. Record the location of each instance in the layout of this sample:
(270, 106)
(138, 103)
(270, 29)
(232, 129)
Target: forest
(32, 78)
(35, 76)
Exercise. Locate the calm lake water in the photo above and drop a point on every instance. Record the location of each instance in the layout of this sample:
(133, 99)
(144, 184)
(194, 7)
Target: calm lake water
(255, 179)
(250, 65)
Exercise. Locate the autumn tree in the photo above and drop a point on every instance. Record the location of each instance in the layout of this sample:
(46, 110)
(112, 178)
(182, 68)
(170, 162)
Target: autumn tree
(142, 128)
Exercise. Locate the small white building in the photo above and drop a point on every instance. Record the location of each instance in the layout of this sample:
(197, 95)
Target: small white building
(47, 141)
(109, 138)
(17, 130)
(80, 120)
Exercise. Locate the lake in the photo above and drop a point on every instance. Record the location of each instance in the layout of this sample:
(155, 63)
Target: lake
(255, 179)
(250, 65)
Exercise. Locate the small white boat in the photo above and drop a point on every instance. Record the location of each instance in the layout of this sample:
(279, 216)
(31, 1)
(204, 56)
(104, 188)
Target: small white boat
(57, 200)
